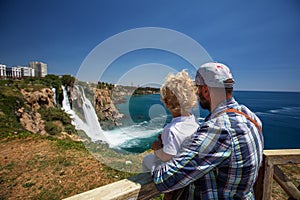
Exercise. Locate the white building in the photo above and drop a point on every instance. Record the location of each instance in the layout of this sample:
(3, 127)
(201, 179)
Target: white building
(40, 69)
(35, 69)
(27, 71)
(16, 71)
(2, 70)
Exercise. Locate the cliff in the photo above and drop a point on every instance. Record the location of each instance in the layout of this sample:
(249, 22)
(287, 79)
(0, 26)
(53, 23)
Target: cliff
(119, 92)
(29, 116)
(40, 98)
(106, 111)
(40, 101)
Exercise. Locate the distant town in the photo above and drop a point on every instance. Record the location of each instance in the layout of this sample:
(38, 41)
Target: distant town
(34, 69)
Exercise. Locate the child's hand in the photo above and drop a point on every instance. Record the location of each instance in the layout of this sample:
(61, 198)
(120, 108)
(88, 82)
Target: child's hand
(159, 138)
(157, 145)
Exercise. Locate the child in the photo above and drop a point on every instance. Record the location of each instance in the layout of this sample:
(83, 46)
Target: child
(178, 94)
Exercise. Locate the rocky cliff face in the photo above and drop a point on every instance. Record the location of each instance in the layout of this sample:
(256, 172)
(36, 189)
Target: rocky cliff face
(107, 113)
(40, 98)
(30, 119)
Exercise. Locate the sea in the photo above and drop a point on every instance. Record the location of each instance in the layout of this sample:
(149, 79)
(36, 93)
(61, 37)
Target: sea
(145, 117)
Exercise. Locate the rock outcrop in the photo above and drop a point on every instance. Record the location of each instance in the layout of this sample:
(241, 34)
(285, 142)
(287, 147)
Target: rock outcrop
(39, 98)
(107, 113)
(31, 121)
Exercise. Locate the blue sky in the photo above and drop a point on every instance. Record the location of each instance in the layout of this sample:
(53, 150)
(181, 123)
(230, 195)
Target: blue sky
(258, 40)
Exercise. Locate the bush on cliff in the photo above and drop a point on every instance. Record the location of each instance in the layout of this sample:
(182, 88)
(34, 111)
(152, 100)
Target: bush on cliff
(52, 128)
(51, 115)
(55, 114)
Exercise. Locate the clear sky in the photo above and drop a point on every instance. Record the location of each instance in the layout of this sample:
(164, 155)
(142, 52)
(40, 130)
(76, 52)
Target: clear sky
(258, 40)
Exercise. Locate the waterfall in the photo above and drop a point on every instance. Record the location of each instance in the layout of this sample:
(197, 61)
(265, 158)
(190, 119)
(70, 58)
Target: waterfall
(91, 124)
(54, 94)
(65, 103)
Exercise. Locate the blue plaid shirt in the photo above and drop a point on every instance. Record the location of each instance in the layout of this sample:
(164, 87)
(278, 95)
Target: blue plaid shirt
(220, 161)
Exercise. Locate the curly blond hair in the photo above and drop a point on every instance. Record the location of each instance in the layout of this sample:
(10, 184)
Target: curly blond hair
(178, 92)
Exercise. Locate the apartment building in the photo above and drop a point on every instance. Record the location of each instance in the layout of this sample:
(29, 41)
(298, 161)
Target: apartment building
(40, 69)
(35, 69)
(2, 70)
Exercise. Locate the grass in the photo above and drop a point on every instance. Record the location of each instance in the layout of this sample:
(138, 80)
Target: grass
(40, 167)
(11, 100)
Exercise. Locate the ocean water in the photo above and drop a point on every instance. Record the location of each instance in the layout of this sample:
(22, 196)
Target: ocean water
(146, 117)
(280, 115)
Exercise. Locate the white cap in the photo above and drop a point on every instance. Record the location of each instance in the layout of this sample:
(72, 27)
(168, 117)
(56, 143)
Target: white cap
(214, 74)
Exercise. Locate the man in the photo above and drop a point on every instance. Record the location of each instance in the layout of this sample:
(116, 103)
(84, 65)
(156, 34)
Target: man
(221, 160)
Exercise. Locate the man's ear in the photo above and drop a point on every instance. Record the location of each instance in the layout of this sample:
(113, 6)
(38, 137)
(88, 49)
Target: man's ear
(205, 92)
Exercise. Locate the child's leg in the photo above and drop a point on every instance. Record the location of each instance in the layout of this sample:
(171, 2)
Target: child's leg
(148, 162)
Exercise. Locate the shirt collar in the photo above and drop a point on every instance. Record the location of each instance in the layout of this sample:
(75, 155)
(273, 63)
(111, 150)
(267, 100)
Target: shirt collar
(181, 118)
(229, 103)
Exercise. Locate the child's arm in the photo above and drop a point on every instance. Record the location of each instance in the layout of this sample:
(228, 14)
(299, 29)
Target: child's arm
(158, 151)
(162, 155)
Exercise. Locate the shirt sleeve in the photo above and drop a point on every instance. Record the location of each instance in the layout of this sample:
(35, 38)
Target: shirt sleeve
(169, 141)
(207, 149)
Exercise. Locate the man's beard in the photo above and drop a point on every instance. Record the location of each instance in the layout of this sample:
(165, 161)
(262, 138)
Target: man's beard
(204, 103)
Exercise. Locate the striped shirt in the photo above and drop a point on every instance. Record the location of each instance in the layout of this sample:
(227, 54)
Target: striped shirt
(220, 161)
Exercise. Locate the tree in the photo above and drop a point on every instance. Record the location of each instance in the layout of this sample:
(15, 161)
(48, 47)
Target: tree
(68, 80)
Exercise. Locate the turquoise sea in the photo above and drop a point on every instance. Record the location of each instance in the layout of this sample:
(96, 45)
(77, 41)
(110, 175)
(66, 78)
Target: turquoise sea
(279, 112)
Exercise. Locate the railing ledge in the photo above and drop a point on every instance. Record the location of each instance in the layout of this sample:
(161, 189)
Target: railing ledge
(142, 187)
(136, 187)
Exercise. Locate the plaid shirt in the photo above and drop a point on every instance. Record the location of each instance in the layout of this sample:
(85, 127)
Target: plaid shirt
(220, 161)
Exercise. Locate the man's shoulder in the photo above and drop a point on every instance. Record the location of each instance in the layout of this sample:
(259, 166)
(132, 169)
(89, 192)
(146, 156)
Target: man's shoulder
(211, 131)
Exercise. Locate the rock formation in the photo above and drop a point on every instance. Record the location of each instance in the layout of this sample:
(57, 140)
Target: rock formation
(39, 98)
(107, 113)
(31, 121)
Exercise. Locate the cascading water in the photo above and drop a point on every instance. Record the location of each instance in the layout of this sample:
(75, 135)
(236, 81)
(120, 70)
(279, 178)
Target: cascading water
(54, 94)
(65, 103)
(91, 125)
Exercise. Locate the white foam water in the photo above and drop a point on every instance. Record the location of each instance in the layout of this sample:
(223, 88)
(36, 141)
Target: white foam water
(54, 94)
(121, 135)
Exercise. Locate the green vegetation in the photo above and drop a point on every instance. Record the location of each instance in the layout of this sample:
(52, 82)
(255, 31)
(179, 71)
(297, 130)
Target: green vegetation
(55, 114)
(56, 121)
(103, 85)
(28, 184)
(50, 80)
(52, 129)
(10, 101)
(146, 90)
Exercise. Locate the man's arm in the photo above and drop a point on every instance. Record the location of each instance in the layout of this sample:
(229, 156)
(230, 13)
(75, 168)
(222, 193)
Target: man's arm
(209, 147)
